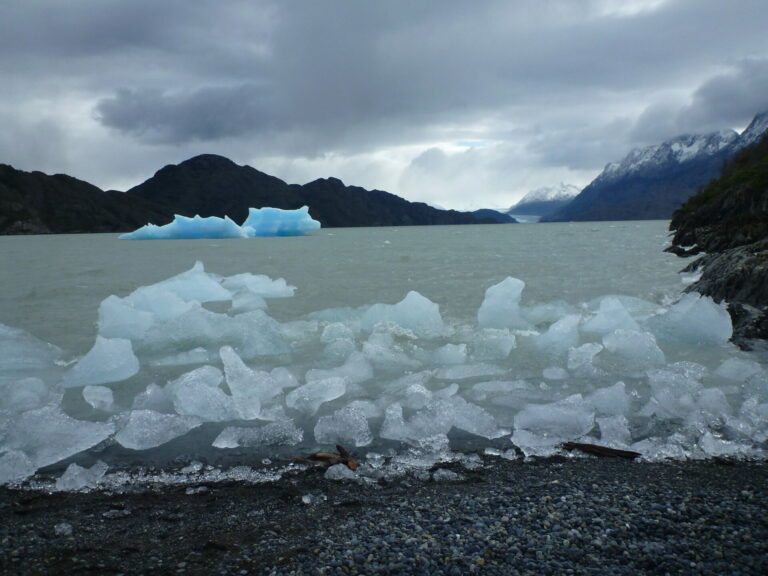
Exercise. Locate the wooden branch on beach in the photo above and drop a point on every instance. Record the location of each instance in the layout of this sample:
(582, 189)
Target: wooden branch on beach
(327, 459)
(602, 451)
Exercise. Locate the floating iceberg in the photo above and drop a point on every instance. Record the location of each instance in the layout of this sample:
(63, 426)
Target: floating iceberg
(260, 222)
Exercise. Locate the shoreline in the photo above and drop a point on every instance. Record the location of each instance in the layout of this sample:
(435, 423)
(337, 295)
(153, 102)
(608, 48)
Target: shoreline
(577, 515)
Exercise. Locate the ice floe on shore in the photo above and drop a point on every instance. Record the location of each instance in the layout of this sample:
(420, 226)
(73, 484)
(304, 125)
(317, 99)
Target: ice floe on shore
(198, 358)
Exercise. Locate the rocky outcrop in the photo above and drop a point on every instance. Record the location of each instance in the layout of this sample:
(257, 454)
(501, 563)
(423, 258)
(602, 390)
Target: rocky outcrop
(727, 223)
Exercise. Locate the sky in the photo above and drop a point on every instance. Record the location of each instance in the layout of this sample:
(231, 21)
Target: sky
(462, 104)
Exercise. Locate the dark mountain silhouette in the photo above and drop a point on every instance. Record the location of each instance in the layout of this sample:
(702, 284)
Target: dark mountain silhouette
(208, 185)
(36, 203)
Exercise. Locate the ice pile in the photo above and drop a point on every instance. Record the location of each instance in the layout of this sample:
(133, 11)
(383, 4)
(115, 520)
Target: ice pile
(200, 352)
(260, 222)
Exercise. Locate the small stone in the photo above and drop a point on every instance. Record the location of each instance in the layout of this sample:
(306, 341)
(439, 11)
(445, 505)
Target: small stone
(63, 529)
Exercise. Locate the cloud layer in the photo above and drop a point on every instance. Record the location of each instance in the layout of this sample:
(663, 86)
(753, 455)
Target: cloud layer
(460, 104)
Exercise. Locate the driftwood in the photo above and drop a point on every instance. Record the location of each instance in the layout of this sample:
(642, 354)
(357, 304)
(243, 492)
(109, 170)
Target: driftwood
(604, 451)
(327, 459)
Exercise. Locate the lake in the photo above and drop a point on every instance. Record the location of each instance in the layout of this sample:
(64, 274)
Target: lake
(594, 349)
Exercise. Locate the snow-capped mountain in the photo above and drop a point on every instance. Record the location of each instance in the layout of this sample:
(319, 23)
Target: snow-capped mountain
(754, 131)
(652, 182)
(677, 150)
(550, 194)
(544, 201)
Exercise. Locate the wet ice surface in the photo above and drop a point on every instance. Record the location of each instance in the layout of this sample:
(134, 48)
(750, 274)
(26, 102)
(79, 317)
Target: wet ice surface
(196, 365)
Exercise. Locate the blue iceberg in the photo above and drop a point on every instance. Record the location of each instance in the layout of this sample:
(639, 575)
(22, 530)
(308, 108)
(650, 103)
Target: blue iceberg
(260, 222)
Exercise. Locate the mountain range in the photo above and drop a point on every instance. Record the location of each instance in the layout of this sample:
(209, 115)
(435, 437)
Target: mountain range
(543, 202)
(652, 182)
(208, 185)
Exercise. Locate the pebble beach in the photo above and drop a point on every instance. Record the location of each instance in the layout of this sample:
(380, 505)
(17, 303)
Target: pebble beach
(576, 515)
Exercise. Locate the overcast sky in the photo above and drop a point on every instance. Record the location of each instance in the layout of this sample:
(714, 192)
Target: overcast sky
(461, 104)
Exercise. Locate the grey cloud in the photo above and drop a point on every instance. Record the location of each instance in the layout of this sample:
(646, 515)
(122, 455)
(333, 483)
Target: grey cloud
(726, 100)
(206, 114)
(559, 82)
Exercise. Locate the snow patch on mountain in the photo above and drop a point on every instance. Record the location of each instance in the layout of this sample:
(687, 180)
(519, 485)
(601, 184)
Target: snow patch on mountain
(559, 193)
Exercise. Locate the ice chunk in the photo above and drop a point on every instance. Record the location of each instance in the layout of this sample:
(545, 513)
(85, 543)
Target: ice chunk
(340, 472)
(276, 222)
(250, 388)
(714, 446)
(636, 350)
(539, 428)
(673, 395)
(610, 317)
(100, 397)
(347, 425)
(580, 360)
(612, 400)
(336, 331)
(614, 431)
(259, 285)
(309, 397)
(414, 312)
(252, 334)
(184, 227)
(24, 394)
(15, 466)
(694, 319)
(437, 419)
(469, 371)
(78, 478)
(355, 370)
(492, 344)
(738, 369)
(385, 353)
(110, 360)
(450, 354)
(547, 313)
(246, 301)
(147, 429)
(197, 355)
(118, 318)
(561, 336)
(555, 373)
(197, 393)
(22, 353)
(154, 398)
(47, 435)
(283, 432)
(159, 301)
(284, 378)
(501, 306)
(195, 285)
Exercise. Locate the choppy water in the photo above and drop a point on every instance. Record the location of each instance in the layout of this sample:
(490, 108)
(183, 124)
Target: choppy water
(684, 403)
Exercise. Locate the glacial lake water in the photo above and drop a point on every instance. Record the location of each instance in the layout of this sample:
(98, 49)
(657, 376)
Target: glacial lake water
(631, 372)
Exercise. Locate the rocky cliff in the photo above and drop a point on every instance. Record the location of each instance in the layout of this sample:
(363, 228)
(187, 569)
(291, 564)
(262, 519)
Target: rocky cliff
(728, 222)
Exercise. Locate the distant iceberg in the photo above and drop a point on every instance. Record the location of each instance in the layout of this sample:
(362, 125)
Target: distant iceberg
(260, 222)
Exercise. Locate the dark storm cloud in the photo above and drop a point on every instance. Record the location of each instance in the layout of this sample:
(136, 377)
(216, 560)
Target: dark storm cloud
(205, 114)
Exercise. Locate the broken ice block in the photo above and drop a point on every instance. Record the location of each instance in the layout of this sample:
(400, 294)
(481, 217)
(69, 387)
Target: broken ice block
(110, 360)
(147, 429)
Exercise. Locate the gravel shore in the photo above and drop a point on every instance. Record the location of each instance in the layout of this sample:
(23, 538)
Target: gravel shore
(556, 516)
